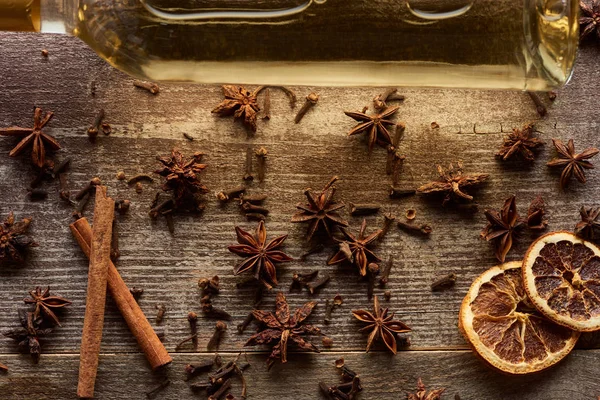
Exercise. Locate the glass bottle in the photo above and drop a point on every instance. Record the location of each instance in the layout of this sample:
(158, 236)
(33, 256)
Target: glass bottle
(509, 44)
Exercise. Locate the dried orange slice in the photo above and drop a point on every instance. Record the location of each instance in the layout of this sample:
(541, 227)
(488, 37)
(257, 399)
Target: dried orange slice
(505, 329)
(561, 274)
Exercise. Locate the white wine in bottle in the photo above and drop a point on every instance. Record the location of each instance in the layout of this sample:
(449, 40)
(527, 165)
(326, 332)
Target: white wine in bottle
(510, 44)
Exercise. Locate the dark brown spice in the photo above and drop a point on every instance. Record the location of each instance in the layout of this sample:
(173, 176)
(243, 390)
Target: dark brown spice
(388, 219)
(321, 211)
(502, 227)
(251, 198)
(384, 327)
(390, 94)
(210, 311)
(80, 206)
(250, 208)
(363, 209)
(46, 305)
(193, 320)
(28, 335)
(422, 229)
(374, 125)
(160, 315)
(435, 125)
(394, 159)
(573, 164)
(44, 173)
(37, 194)
(140, 178)
(33, 137)
(539, 105)
(521, 142)
(385, 275)
(387, 295)
(92, 131)
(63, 191)
(209, 286)
(242, 327)
(373, 270)
(284, 328)
(314, 286)
(149, 86)
(89, 187)
(423, 394)
(139, 188)
(311, 100)
(397, 193)
(61, 167)
(359, 247)
(121, 176)
(14, 240)
(196, 369)
(443, 282)
(213, 343)
(452, 182)
(255, 217)
(589, 226)
(122, 206)
(241, 103)
(301, 280)
(221, 391)
(327, 341)
(552, 95)
(136, 293)
(319, 247)
(589, 19)
(536, 214)
(45, 53)
(267, 105)
(106, 128)
(228, 194)
(411, 214)
(261, 158)
(188, 136)
(154, 392)
(248, 165)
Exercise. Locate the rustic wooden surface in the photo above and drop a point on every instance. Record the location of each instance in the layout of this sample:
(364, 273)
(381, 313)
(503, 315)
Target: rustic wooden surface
(300, 156)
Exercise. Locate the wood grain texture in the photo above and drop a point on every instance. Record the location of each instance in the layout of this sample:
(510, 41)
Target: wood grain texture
(300, 156)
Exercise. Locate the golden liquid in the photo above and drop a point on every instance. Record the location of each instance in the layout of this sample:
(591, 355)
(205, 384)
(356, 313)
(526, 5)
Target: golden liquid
(453, 43)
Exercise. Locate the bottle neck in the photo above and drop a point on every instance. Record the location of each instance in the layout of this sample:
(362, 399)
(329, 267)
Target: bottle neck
(32, 16)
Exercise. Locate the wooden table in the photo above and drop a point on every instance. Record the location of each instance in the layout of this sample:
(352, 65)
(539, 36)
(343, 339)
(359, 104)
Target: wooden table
(300, 156)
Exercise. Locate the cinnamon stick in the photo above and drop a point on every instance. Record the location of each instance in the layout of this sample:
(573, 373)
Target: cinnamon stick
(155, 351)
(104, 212)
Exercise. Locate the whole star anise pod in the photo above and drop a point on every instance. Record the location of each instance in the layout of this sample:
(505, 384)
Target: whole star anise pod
(356, 249)
(502, 227)
(33, 136)
(572, 162)
(27, 337)
(282, 328)
(239, 102)
(452, 181)
(14, 239)
(381, 325)
(182, 179)
(321, 211)
(45, 303)
(375, 125)
(422, 393)
(260, 255)
(589, 225)
(520, 141)
(589, 21)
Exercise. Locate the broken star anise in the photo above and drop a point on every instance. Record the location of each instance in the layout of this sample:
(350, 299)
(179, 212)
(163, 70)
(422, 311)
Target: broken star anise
(34, 137)
(422, 393)
(381, 325)
(260, 255)
(571, 162)
(321, 211)
(356, 249)
(451, 182)
(241, 103)
(502, 227)
(14, 239)
(27, 337)
(182, 179)
(589, 21)
(589, 226)
(282, 327)
(522, 142)
(375, 125)
(45, 303)
(536, 215)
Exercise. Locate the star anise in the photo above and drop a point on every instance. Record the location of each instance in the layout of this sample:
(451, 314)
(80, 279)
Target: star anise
(572, 162)
(381, 324)
(260, 255)
(239, 102)
(33, 136)
(321, 211)
(182, 179)
(27, 337)
(282, 328)
(589, 21)
(375, 125)
(452, 181)
(536, 215)
(356, 249)
(520, 141)
(502, 227)
(589, 225)
(14, 239)
(45, 303)
(422, 393)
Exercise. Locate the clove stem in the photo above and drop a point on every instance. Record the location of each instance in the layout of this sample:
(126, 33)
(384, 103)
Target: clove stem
(310, 101)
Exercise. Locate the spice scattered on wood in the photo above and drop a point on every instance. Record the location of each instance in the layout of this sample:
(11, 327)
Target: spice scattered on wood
(502, 227)
(350, 387)
(385, 275)
(588, 19)
(374, 125)
(106, 128)
(314, 286)
(397, 193)
(443, 282)
(327, 342)
(138, 324)
(317, 248)
(37, 194)
(589, 226)
(536, 214)
(539, 104)
(196, 369)
(40, 141)
(388, 219)
(209, 286)
(242, 327)
(14, 239)
(139, 188)
(423, 394)
(387, 295)
(122, 206)
(261, 158)
(188, 136)
(149, 86)
(241, 103)
(80, 206)
(160, 314)
(394, 158)
(260, 256)
(93, 321)
(452, 182)
(121, 176)
(423, 229)
(61, 167)
(520, 142)
(311, 100)
(45, 53)
(213, 343)
(284, 328)
(88, 188)
(63, 191)
(193, 320)
(210, 311)
(361, 255)
(27, 337)
(435, 125)
(46, 305)
(384, 327)
(363, 209)
(136, 293)
(411, 213)
(301, 280)
(140, 178)
(92, 131)
(573, 164)
(229, 194)
(321, 212)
